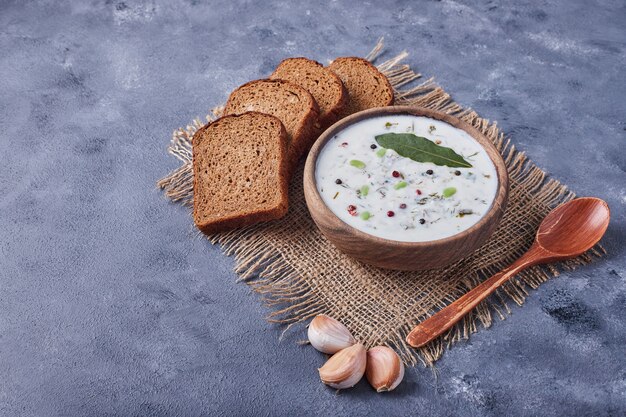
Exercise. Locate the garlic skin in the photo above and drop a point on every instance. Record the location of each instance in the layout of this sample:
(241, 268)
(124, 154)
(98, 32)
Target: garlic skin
(345, 368)
(328, 335)
(385, 369)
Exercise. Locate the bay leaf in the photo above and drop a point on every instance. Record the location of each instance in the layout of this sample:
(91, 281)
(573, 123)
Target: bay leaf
(421, 149)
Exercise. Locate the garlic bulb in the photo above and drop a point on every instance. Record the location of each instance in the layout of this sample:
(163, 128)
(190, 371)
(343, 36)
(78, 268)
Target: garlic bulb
(328, 335)
(345, 368)
(384, 370)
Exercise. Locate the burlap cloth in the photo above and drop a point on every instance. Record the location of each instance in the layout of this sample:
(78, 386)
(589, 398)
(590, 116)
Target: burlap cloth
(300, 274)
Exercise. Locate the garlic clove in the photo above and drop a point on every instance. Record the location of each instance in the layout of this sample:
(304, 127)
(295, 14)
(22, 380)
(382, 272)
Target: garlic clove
(385, 369)
(345, 368)
(328, 335)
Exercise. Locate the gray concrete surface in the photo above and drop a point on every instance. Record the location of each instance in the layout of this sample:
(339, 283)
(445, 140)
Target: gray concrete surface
(109, 306)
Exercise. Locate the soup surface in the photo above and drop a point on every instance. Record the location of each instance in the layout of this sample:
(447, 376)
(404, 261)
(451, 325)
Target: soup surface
(378, 191)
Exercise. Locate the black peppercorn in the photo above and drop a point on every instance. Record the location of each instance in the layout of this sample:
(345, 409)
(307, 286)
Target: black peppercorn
(457, 172)
(373, 146)
(338, 181)
(422, 221)
(429, 172)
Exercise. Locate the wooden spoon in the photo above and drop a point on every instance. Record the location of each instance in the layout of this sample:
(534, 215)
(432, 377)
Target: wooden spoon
(567, 231)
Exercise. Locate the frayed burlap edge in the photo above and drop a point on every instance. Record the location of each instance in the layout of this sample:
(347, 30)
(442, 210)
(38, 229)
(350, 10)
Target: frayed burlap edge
(291, 296)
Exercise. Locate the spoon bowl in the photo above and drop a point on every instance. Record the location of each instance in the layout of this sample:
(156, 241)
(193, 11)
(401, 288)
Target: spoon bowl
(569, 230)
(574, 227)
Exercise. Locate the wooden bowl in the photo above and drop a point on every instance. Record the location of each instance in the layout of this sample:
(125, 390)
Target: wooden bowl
(398, 255)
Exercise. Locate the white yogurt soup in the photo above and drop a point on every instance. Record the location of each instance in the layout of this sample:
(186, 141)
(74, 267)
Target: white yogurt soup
(376, 190)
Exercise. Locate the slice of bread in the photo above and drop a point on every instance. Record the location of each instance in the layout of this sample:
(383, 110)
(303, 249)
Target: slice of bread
(324, 85)
(239, 172)
(367, 87)
(292, 104)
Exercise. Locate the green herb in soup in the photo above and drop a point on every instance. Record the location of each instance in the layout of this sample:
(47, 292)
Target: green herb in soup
(357, 164)
(448, 192)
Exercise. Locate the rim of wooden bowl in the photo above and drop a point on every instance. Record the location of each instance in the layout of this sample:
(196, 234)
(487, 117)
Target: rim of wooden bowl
(498, 203)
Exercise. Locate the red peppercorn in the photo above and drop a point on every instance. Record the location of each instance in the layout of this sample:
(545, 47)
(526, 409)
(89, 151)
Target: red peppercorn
(351, 208)
(395, 174)
(402, 206)
(419, 192)
(390, 213)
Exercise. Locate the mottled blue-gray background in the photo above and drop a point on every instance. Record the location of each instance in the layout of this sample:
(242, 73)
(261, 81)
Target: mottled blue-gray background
(110, 306)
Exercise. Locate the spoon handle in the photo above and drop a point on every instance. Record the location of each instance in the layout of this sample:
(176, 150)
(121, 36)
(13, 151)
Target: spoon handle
(443, 320)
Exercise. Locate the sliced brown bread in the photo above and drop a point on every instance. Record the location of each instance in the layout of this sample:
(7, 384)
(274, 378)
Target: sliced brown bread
(324, 85)
(292, 104)
(240, 172)
(367, 87)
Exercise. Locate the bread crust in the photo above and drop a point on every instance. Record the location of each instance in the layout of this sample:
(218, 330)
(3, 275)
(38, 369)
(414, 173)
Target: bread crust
(234, 221)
